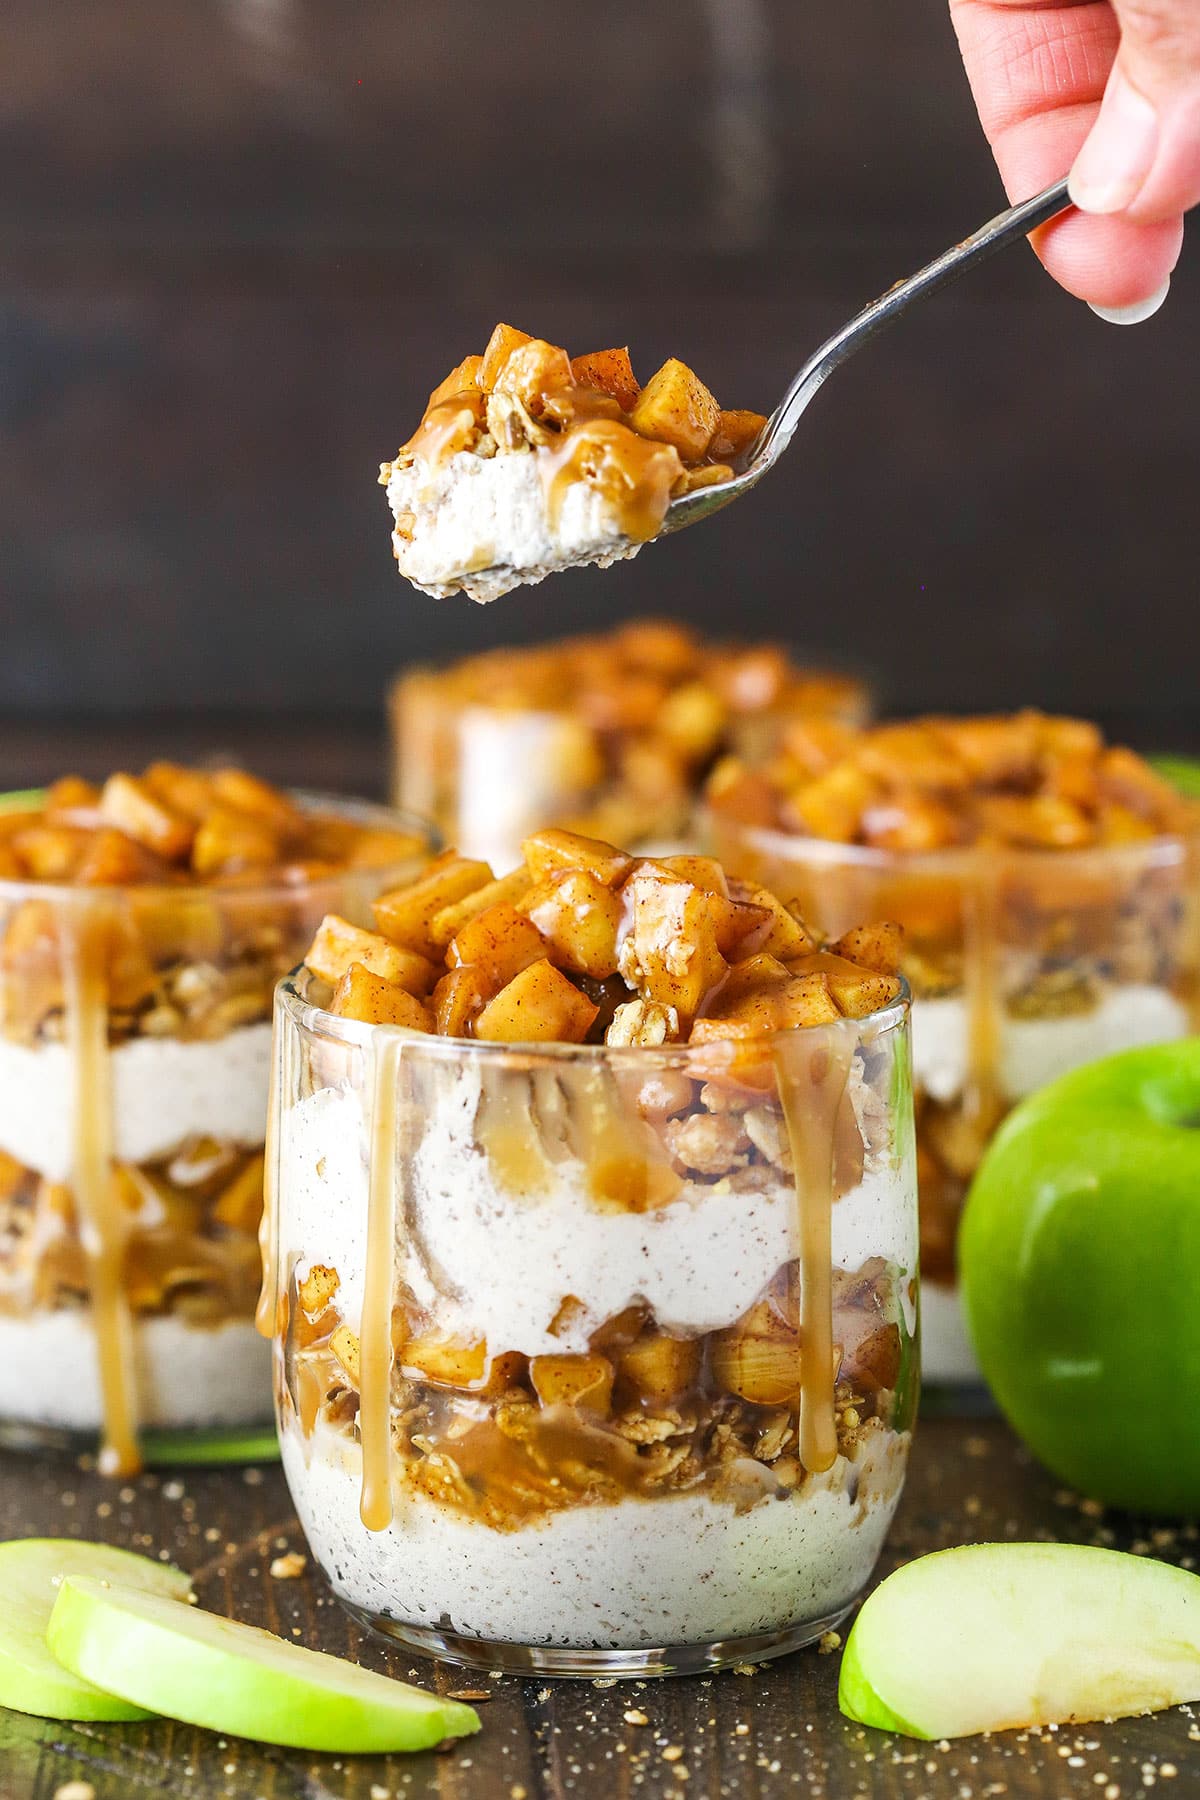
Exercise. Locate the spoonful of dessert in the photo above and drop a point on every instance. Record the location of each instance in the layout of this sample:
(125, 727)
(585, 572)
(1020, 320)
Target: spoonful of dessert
(528, 461)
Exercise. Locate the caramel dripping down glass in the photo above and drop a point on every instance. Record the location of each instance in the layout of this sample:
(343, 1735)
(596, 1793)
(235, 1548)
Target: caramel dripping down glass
(126, 1298)
(550, 1396)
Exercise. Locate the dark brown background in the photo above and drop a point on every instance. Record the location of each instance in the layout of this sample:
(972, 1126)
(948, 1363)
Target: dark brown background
(239, 239)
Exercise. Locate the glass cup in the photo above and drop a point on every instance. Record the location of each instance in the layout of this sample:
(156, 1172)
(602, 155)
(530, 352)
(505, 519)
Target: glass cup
(1023, 965)
(135, 1049)
(590, 1358)
(620, 756)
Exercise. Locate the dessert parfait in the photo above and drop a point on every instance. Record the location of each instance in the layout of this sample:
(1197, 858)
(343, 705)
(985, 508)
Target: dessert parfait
(528, 460)
(1046, 884)
(612, 735)
(143, 925)
(591, 1261)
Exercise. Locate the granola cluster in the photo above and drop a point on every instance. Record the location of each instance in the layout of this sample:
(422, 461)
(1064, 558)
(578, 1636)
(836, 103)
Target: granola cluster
(611, 735)
(191, 1250)
(642, 1414)
(585, 943)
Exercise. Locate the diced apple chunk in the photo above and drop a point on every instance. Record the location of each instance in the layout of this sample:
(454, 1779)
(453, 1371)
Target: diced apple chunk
(228, 842)
(538, 1006)
(579, 918)
(458, 1000)
(375, 1000)
(466, 375)
(132, 808)
(609, 370)
(406, 915)
(875, 946)
(676, 408)
(547, 852)
(583, 1381)
(658, 1367)
(338, 944)
(499, 943)
(500, 346)
(734, 432)
(672, 948)
(509, 890)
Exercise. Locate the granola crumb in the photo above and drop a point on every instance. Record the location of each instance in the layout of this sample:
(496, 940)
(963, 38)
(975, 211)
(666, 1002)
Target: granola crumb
(741, 1729)
(672, 1752)
(745, 1668)
(470, 1695)
(634, 1716)
(286, 1568)
(828, 1642)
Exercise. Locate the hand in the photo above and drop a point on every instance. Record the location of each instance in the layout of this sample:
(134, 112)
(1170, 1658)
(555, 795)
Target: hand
(1111, 92)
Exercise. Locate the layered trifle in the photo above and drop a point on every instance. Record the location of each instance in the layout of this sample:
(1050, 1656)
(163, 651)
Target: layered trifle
(611, 734)
(1046, 882)
(143, 925)
(591, 1261)
(527, 461)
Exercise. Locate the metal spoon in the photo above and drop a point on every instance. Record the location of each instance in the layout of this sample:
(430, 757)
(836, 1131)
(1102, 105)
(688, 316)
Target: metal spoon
(776, 435)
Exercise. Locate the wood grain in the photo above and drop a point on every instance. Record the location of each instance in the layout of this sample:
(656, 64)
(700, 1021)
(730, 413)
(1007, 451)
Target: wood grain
(758, 1736)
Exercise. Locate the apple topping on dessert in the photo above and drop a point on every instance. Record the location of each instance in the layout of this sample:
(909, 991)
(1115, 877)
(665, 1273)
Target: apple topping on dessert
(527, 461)
(612, 735)
(1022, 780)
(586, 944)
(144, 923)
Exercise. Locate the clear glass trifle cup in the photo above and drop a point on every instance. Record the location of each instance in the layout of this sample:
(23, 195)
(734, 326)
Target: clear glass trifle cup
(593, 1355)
(611, 735)
(1048, 885)
(143, 926)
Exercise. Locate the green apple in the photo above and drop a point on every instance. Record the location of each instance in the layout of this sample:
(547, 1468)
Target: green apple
(237, 1680)
(994, 1636)
(176, 1449)
(1183, 772)
(1079, 1256)
(31, 1569)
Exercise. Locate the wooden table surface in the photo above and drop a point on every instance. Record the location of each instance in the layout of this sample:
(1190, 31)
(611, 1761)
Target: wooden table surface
(761, 1734)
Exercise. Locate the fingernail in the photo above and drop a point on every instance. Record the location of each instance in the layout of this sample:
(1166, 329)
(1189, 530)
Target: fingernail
(1118, 155)
(1133, 315)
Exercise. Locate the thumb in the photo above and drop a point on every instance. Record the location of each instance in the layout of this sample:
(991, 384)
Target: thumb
(1142, 156)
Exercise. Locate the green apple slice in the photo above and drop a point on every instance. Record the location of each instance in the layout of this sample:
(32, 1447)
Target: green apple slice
(994, 1636)
(238, 1680)
(31, 1569)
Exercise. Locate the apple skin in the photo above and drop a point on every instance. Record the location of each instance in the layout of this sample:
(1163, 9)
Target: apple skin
(1079, 1255)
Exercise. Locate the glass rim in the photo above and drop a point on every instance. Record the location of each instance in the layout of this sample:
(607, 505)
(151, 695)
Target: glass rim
(316, 1019)
(346, 806)
(964, 860)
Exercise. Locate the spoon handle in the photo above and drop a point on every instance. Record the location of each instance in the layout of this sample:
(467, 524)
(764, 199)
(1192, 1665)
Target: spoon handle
(1004, 229)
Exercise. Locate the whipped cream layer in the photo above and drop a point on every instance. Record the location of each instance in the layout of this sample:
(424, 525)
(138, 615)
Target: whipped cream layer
(164, 1091)
(481, 525)
(187, 1377)
(637, 1574)
(497, 1266)
(1035, 1051)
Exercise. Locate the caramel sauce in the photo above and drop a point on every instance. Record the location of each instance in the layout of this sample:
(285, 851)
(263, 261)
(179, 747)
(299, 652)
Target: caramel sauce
(375, 1336)
(266, 1314)
(450, 426)
(633, 475)
(812, 1077)
(104, 1221)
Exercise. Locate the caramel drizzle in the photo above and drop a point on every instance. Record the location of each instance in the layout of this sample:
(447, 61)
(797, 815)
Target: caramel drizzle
(634, 475)
(375, 1333)
(812, 1069)
(104, 1224)
(267, 1319)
